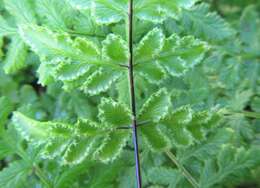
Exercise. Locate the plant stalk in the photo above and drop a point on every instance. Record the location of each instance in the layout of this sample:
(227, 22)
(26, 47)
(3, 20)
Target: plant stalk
(132, 94)
(42, 177)
(187, 175)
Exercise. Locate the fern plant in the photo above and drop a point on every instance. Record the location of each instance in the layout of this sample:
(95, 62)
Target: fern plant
(126, 86)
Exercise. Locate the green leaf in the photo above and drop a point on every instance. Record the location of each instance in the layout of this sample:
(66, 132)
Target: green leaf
(158, 10)
(153, 73)
(149, 46)
(69, 71)
(16, 56)
(114, 114)
(115, 49)
(78, 150)
(87, 128)
(87, 47)
(55, 148)
(45, 73)
(180, 54)
(70, 175)
(28, 94)
(29, 128)
(60, 130)
(100, 81)
(58, 15)
(156, 107)
(109, 11)
(5, 28)
(231, 162)
(22, 10)
(196, 127)
(14, 174)
(164, 176)
(112, 146)
(175, 123)
(208, 148)
(154, 138)
(6, 108)
(80, 4)
(45, 42)
(207, 25)
(48, 44)
(168, 58)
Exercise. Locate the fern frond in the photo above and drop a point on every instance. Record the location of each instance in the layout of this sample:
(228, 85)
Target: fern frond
(5, 28)
(202, 23)
(30, 129)
(109, 11)
(175, 123)
(115, 49)
(156, 107)
(100, 81)
(22, 10)
(158, 10)
(154, 138)
(150, 45)
(80, 4)
(15, 174)
(113, 114)
(230, 163)
(16, 56)
(112, 146)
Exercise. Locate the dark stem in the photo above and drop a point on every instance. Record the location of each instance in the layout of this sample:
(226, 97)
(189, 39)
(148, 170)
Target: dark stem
(132, 94)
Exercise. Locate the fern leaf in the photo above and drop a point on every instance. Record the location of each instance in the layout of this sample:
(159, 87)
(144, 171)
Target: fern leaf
(87, 128)
(45, 42)
(154, 73)
(70, 175)
(109, 11)
(5, 28)
(45, 73)
(156, 107)
(48, 44)
(202, 23)
(175, 123)
(122, 87)
(60, 130)
(180, 54)
(58, 15)
(16, 56)
(6, 108)
(80, 4)
(231, 162)
(208, 148)
(78, 150)
(149, 46)
(29, 128)
(22, 10)
(14, 174)
(55, 148)
(115, 49)
(154, 138)
(175, 65)
(196, 126)
(164, 176)
(158, 10)
(69, 71)
(114, 114)
(100, 81)
(112, 146)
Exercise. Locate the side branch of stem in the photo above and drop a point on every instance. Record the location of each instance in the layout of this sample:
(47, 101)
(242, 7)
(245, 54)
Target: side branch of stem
(186, 174)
